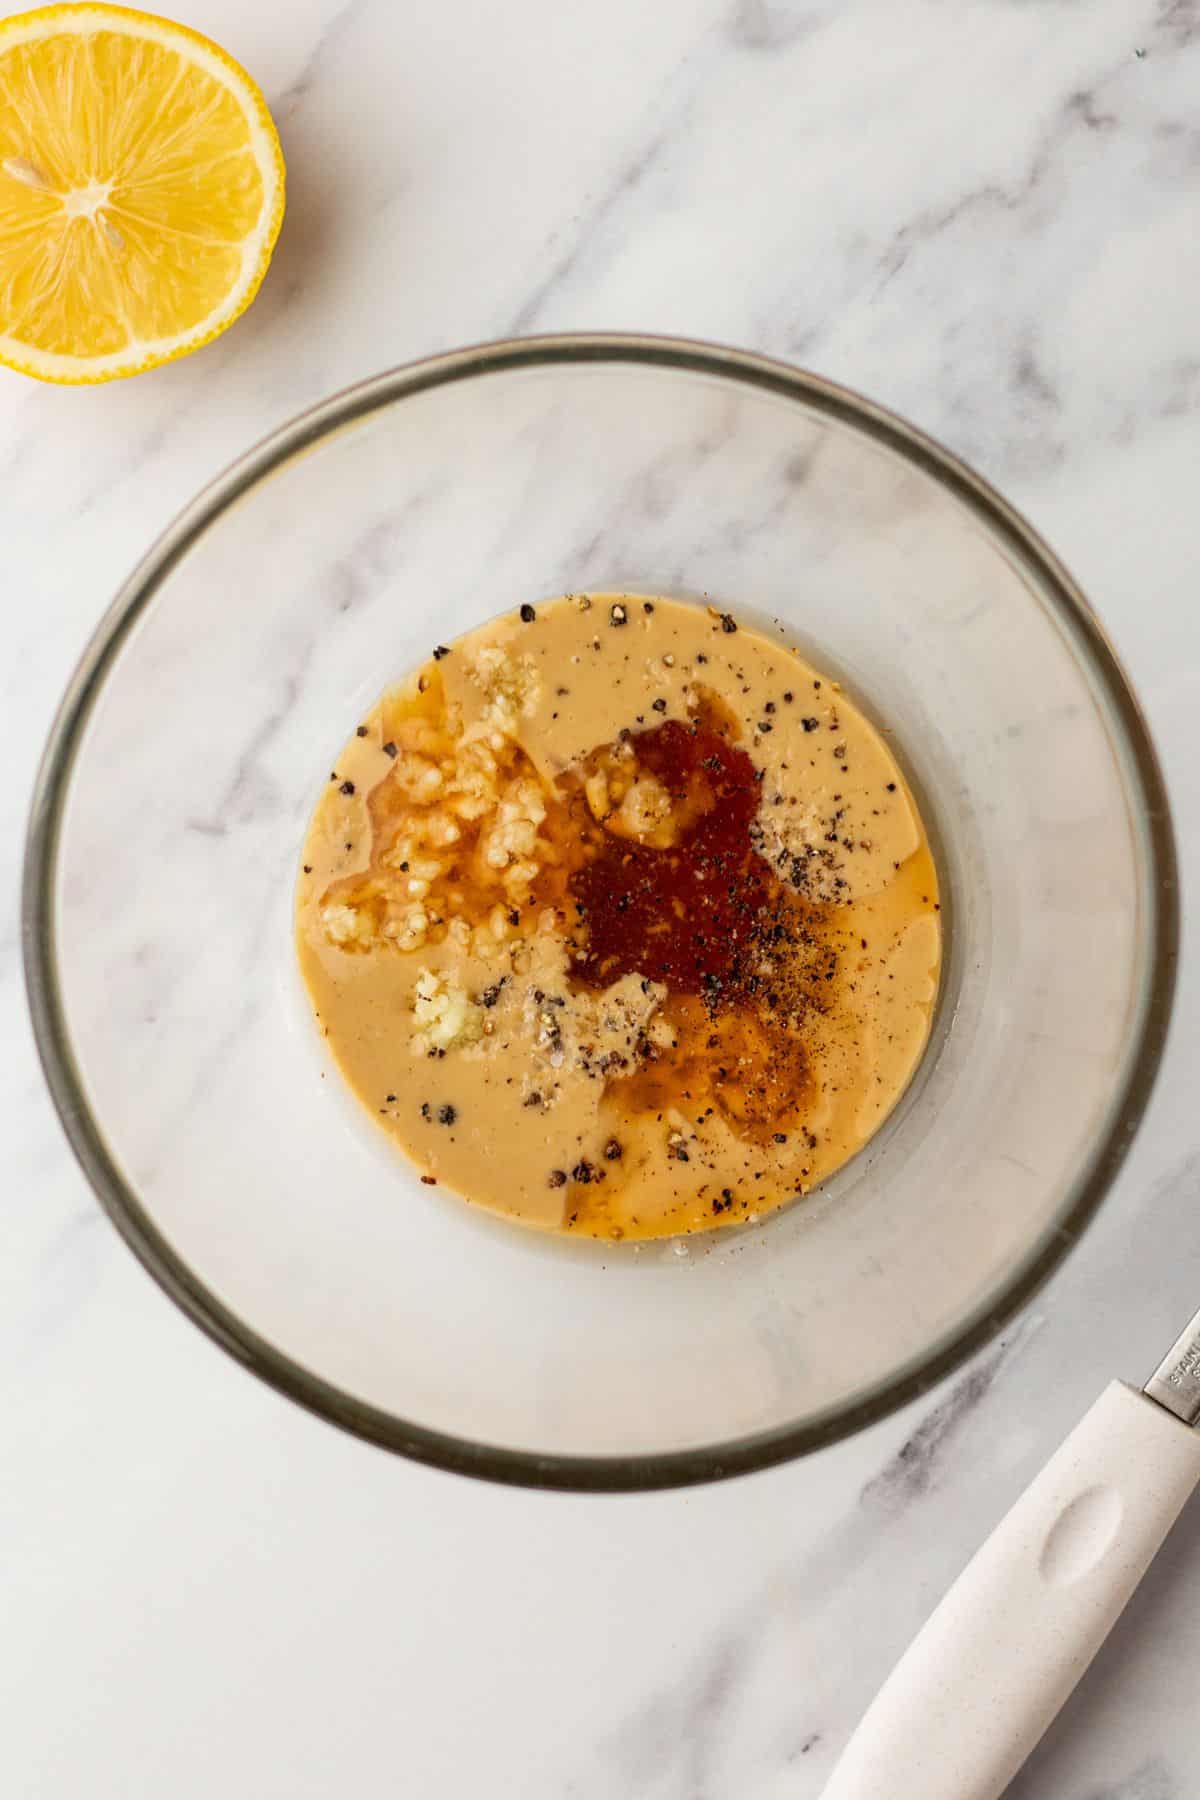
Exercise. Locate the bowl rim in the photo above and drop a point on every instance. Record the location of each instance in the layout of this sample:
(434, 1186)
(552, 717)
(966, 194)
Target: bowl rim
(1151, 819)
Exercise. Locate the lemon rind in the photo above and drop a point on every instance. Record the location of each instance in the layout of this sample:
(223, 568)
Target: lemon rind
(257, 247)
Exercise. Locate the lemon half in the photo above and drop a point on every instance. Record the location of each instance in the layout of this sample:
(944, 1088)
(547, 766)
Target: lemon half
(141, 191)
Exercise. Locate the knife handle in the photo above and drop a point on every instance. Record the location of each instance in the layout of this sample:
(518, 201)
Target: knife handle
(966, 1704)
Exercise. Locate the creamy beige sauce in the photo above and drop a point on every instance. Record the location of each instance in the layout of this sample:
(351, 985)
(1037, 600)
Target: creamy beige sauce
(555, 965)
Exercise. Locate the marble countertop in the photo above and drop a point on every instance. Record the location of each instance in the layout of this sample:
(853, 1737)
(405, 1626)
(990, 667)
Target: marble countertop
(983, 215)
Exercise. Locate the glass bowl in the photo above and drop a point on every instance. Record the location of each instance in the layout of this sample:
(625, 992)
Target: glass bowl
(199, 728)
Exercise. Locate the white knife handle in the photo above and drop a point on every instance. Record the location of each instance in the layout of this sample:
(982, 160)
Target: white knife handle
(966, 1704)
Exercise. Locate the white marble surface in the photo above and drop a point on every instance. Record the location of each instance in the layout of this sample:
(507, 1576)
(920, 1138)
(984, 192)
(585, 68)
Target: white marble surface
(982, 214)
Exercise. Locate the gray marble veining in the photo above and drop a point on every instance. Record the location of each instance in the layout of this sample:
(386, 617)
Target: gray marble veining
(982, 215)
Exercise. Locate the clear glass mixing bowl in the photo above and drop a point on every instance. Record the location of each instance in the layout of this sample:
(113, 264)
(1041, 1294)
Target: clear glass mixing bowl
(199, 728)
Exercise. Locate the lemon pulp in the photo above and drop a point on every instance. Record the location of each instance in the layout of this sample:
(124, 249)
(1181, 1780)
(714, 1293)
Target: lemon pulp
(141, 191)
